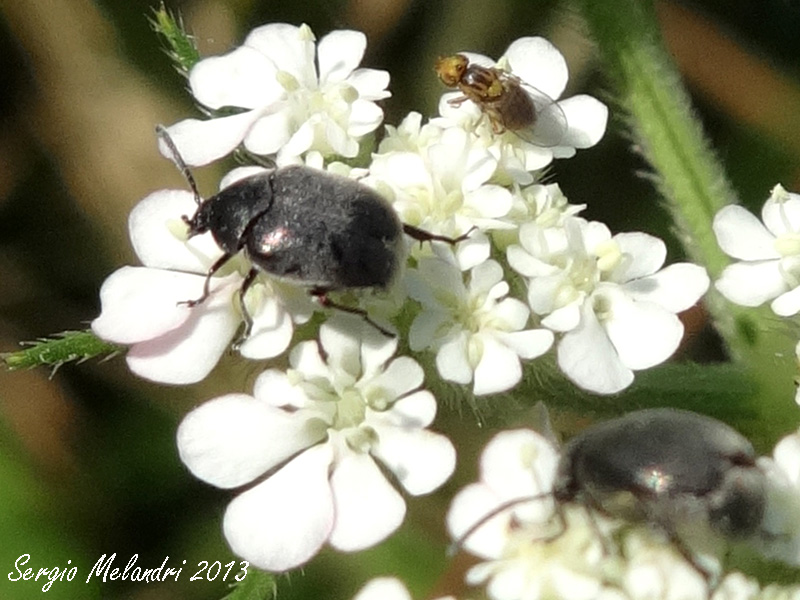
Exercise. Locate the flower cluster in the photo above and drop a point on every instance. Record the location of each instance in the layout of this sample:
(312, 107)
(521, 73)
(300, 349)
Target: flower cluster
(523, 272)
(307, 442)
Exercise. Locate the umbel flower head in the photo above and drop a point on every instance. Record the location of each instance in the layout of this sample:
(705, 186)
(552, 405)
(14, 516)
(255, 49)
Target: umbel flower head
(478, 333)
(609, 297)
(307, 444)
(289, 103)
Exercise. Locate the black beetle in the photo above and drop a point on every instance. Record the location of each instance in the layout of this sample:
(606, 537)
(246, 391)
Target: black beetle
(667, 467)
(661, 464)
(322, 231)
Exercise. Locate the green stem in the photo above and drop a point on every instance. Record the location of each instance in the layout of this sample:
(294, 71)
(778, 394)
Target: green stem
(60, 348)
(691, 180)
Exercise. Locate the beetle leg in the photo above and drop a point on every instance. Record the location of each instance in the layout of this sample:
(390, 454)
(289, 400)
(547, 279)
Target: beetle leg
(691, 557)
(425, 236)
(322, 297)
(207, 284)
(248, 320)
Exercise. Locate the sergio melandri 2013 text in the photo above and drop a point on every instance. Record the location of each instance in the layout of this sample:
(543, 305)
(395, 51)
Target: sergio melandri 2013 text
(106, 570)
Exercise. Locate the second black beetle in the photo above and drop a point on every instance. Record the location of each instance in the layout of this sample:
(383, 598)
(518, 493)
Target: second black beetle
(673, 469)
(322, 231)
(663, 466)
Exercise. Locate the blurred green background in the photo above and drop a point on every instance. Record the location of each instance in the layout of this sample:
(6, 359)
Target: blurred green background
(88, 464)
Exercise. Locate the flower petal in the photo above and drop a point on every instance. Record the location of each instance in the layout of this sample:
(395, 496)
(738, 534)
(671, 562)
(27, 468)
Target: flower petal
(233, 439)
(675, 288)
(520, 464)
(416, 410)
(644, 253)
(499, 368)
(788, 304)
(510, 314)
(538, 63)
(368, 508)
(400, 377)
(187, 353)
(289, 47)
(588, 358)
(644, 334)
(271, 333)
(421, 460)
(741, 235)
(452, 360)
(282, 522)
(753, 283)
(139, 303)
(364, 118)
(587, 119)
(528, 344)
(156, 229)
(202, 142)
(468, 508)
(338, 54)
(383, 588)
(781, 212)
(275, 388)
(244, 78)
(269, 133)
(565, 318)
(371, 84)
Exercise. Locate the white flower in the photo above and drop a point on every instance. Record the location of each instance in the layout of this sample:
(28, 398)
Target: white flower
(145, 307)
(410, 136)
(444, 189)
(769, 253)
(288, 106)
(387, 588)
(308, 443)
(527, 554)
(477, 332)
(617, 310)
(515, 465)
(539, 64)
(545, 205)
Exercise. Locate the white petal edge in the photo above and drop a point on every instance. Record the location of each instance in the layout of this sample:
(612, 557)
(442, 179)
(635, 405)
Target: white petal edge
(675, 288)
(538, 63)
(242, 78)
(233, 439)
(188, 353)
(420, 459)
(383, 588)
(283, 522)
(588, 358)
(741, 235)
(202, 142)
(157, 233)
(368, 508)
(751, 283)
(587, 119)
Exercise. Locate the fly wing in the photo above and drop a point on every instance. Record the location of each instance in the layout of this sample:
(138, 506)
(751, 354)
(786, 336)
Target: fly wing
(550, 125)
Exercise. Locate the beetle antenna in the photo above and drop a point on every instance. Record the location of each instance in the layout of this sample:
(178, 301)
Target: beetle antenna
(164, 136)
(459, 542)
